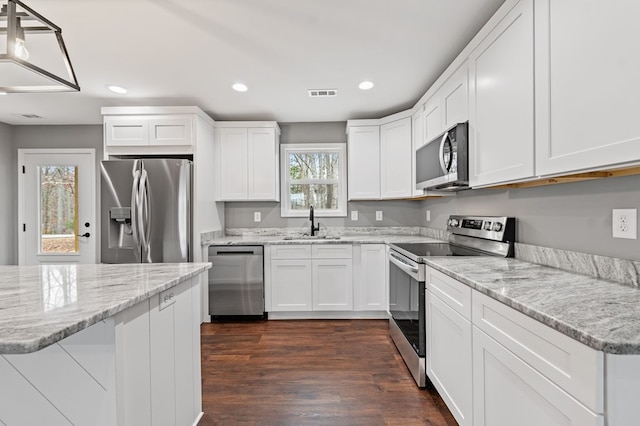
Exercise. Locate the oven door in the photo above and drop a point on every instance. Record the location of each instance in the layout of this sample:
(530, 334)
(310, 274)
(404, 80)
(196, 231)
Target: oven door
(406, 299)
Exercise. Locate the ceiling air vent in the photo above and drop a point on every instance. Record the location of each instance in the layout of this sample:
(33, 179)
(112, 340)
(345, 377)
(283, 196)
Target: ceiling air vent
(323, 93)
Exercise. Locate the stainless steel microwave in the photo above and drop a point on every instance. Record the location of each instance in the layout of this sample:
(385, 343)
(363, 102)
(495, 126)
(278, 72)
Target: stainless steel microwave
(442, 164)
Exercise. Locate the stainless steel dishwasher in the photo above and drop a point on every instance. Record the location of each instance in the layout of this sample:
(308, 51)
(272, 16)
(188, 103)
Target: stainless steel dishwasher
(236, 282)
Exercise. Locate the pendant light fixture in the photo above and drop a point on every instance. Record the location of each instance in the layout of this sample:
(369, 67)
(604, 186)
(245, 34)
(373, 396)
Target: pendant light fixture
(34, 58)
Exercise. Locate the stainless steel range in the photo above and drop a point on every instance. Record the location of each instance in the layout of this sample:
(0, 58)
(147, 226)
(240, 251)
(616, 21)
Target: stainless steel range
(468, 236)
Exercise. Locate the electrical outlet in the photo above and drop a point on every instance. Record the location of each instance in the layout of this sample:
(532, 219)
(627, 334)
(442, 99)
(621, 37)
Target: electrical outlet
(257, 216)
(624, 223)
(428, 215)
(379, 215)
(354, 215)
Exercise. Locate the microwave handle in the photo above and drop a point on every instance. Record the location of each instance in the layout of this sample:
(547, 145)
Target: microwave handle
(445, 167)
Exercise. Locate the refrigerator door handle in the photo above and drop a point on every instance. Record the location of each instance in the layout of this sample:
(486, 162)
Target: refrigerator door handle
(144, 215)
(135, 230)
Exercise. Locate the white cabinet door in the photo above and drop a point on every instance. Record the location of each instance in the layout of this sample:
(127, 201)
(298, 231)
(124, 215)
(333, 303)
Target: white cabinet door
(454, 95)
(370, 292)
(417, 140)
(432, 121)
(149, 130)
(172, 345)
(126, 131)
(587, 85)
(363, 176)
(508, 392)
(449, 357)
(233, 163)
(176, 130)
(291, 285)
(263, 164)
(332, 285)
(501, 100)
(396, 179)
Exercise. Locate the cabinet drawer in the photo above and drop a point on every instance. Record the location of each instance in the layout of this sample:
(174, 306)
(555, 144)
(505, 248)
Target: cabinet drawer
(576, 368)
(332, 251)
(293, 251)
(452, 292)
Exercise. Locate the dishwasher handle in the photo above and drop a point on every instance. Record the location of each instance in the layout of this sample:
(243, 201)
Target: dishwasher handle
(235, 250)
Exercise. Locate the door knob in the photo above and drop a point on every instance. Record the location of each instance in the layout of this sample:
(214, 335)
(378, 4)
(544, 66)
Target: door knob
(85, 235)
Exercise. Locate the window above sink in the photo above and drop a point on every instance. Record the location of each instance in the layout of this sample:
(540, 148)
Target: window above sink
(314, 175)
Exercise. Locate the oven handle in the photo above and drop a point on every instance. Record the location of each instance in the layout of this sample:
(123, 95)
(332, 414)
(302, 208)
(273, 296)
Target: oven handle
(396, 260)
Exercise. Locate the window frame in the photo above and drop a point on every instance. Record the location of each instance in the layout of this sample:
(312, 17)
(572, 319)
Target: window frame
(285, 204)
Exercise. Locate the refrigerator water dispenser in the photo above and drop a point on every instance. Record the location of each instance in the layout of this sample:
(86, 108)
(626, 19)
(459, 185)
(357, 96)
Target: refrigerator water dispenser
(120, 233)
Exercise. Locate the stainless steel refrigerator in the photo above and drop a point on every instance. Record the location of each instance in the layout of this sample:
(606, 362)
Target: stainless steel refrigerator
(146, 210)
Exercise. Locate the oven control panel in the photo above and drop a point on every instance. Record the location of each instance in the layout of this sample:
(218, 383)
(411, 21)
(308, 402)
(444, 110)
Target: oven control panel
(497, 228)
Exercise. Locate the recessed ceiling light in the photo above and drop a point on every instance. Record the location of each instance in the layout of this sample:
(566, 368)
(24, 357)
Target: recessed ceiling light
(239, 87)
(117, 89)
(365, 85)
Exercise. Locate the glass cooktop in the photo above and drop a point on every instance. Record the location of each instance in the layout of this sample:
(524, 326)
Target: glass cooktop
(436, 249)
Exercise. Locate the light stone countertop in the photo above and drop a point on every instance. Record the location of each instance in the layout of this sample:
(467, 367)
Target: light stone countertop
(40, 305)
(343, 239)
(601, 314)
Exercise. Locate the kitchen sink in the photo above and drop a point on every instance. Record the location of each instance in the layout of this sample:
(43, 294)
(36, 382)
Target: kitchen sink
(311, 237)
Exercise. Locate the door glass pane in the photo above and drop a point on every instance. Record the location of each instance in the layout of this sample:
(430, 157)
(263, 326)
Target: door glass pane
(58, 209)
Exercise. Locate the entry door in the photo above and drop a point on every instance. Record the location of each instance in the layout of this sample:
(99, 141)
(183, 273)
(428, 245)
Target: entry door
(56, 206)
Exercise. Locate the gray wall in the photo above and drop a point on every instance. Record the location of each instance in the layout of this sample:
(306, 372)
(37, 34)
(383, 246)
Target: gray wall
(572, 216)
(8, 250)
(395, 213)
(54, 137)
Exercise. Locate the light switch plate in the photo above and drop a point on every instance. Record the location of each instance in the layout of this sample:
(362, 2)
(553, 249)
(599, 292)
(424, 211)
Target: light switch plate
(428, 215)
(257, 216)
(625, 223)
(354, 214)
(379, 215)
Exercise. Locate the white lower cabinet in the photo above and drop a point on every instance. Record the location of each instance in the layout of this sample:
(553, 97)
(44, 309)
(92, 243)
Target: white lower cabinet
(291, 285)
(139, 367)
(332, 284)
(311, 278)
(158, 359)
(449, 343)
(494, 366)
(370, 278)
(507, 391)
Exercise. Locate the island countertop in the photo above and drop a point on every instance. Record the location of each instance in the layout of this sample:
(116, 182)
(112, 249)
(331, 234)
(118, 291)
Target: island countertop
(40, 305)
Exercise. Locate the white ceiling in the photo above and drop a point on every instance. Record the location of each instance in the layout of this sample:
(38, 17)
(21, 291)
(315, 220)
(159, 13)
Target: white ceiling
(190, 52)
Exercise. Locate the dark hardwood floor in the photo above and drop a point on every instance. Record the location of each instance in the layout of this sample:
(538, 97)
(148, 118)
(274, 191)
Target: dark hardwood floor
(342, 372)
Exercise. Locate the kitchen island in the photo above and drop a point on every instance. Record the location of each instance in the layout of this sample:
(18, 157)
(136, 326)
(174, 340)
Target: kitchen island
(100, 344)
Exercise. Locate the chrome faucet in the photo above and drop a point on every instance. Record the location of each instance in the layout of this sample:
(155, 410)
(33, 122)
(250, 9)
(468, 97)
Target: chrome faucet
(314, 228)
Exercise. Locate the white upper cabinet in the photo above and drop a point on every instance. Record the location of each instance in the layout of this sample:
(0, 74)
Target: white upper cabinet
(417, 140)
(248, 161)
(587, 85)
(454, 96)
(380, 158)
(396, 157)
(363, 152)
(142, 130)
(501, 101)
(233, 163)
(432, 119)
(263, 172)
